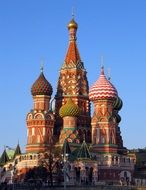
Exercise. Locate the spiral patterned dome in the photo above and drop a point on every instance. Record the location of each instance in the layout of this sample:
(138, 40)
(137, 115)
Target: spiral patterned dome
(118, 118)
(102, 88)
(41, 86)
(69, 109)
(118, 104)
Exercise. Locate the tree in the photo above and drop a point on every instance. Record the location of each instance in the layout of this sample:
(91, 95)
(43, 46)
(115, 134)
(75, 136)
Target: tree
(52, 162)
(37, 173)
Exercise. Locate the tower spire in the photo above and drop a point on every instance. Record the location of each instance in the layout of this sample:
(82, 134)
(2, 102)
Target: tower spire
(42, 65)
(102, 64)
(102, 61)
(73, 15)
(72, 57)
(72, 83)
(40, 135)
(109, 74)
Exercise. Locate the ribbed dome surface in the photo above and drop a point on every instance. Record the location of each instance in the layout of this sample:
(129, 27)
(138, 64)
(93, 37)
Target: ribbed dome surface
(102, 88)
(69, 109)
(118, 118)
(41, 86)
(118, 104)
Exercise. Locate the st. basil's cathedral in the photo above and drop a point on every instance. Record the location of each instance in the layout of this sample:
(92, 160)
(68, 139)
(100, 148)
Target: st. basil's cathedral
(91, 145)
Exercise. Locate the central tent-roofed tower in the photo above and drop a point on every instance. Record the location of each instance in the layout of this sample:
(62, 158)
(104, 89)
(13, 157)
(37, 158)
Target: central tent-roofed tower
(73, 84)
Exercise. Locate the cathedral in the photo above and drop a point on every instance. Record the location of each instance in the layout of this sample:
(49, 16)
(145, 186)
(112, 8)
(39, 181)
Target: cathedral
(90, 146)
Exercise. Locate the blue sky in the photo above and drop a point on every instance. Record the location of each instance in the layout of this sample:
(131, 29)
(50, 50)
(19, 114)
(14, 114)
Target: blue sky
(31, 30)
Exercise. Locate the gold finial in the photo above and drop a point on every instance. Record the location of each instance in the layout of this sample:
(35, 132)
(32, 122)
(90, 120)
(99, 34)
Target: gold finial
(72, 23)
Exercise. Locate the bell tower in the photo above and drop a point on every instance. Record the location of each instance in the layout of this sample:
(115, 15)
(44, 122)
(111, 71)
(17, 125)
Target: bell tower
(40, 120)
(73, 84)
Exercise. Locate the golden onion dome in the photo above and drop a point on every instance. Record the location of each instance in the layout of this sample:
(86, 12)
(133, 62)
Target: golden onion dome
(72, 24)
(69, 109)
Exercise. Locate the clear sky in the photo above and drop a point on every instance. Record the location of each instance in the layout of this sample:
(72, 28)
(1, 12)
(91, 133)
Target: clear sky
(34, 29)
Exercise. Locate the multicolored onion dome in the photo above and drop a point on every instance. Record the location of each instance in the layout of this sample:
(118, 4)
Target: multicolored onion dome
(118, 118)
(102, 88)
(72, 24)
(69, 109)
(41, 86)
(118, 104)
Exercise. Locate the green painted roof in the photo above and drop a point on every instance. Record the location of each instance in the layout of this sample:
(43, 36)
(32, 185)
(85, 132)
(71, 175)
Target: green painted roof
(10, 153)
(83, 152)
(4, 158)
(17, 151)
(66, 148)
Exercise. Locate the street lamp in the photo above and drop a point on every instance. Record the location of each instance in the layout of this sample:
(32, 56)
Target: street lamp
(14, 173)
(65, 157)
(65, 154)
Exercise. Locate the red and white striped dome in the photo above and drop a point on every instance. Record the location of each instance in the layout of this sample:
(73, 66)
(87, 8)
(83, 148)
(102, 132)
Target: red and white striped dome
(102, 88)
